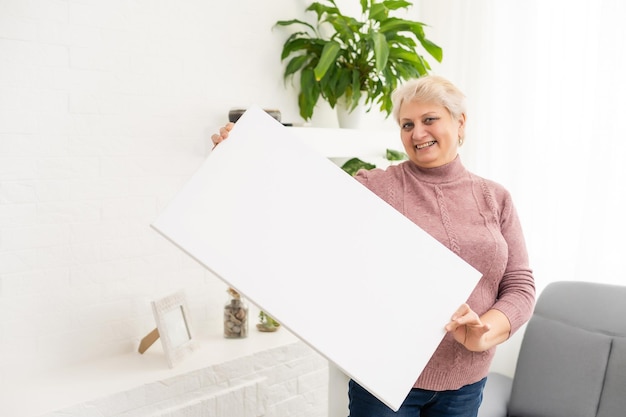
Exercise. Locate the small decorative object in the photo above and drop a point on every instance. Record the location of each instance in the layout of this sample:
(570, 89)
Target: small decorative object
(343, 58)
(235, 316)
(173, 327)
(267, 323)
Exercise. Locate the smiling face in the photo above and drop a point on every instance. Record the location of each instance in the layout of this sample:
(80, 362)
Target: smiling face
(429, 133)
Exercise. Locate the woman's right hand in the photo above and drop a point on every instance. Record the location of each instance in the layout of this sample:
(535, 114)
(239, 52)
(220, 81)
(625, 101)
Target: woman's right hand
(223, 134)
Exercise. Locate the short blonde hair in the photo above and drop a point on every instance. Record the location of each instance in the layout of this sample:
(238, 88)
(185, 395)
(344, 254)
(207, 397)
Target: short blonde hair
(430, 88)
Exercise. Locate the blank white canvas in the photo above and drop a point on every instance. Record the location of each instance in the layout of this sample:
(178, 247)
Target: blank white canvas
(336, 265)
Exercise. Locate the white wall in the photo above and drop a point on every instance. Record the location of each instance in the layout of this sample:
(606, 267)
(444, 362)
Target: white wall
(106, 108)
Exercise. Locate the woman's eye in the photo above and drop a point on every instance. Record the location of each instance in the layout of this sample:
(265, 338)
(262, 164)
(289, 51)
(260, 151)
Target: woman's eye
(430, 120)
(407, 126)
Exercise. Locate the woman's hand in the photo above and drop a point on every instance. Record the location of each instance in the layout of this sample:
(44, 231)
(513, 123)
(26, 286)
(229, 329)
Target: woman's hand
(222, 135)
(476, 333)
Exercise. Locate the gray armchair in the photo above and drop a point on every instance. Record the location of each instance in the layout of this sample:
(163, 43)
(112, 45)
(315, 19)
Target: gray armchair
(572, 361)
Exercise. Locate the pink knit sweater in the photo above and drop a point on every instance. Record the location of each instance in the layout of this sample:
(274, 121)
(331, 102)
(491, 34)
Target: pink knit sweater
(476, 219)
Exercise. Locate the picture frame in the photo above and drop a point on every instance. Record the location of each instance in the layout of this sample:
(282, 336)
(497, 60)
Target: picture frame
(174, 327)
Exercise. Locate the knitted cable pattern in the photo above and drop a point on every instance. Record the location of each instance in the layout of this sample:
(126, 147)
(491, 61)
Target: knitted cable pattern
(489, 199)
(447, 223)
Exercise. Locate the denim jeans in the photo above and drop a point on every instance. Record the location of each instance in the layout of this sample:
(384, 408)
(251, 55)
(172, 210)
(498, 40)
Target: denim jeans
(463, 402)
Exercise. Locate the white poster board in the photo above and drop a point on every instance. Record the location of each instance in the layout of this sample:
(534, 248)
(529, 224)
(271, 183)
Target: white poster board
(336, 265)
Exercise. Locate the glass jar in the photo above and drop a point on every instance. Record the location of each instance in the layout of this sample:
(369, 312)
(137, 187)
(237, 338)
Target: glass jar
(235, 316)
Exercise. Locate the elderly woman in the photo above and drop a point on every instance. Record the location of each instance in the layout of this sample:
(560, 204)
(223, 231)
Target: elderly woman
(476, 219)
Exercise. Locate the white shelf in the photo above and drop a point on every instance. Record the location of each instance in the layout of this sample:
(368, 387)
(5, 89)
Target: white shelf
(348, 143)
(36, 395)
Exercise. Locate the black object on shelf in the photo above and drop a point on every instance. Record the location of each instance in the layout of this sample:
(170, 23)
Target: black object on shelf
(235, 114)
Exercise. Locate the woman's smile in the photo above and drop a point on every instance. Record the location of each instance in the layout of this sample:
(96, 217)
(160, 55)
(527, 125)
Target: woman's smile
(425, 145)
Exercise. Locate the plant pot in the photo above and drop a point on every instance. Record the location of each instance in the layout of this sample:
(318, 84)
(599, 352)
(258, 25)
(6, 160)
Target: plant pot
(350, 119)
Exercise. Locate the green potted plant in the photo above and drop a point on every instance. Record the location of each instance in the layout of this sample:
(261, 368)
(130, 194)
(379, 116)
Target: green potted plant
(360, 57)
(267, 323)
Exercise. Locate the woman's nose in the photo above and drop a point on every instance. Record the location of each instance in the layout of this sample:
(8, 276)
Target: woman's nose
(418, 131)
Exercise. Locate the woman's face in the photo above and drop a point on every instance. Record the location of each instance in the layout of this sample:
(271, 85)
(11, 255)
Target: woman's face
(429, 133)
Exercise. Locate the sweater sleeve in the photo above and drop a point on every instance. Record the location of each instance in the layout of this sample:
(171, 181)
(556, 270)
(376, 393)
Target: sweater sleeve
(516, 293)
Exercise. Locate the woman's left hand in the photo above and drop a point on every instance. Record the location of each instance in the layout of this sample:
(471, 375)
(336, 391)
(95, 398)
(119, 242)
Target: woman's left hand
(468, 329)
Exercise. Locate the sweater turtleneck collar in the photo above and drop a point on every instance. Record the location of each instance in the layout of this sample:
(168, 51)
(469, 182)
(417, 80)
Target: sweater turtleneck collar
(438, 175)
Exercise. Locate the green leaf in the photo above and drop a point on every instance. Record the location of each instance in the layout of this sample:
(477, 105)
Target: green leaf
(295, 65)
(381, 51)
(309, 93)
(398, 40)
(355, 89)
(407, 71)
(364, 5)
(393, 155)
(347, 27)
(378, 12)
(402, 54)
(294, 44)
(331, 49)
(422, 67)
(434, 50)
(352, 166)
(394, 24)
(321, 9)
(397, 4)
(294, 21)
(344, 79)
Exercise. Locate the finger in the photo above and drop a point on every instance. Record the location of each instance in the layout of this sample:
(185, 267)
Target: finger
(451, 326)
(216, 138)
(225, 130)
(470, 319)
(485, 327)
(461, 311)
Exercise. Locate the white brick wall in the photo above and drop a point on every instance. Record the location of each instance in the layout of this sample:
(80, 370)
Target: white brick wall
(288, 381)
(106, 107)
